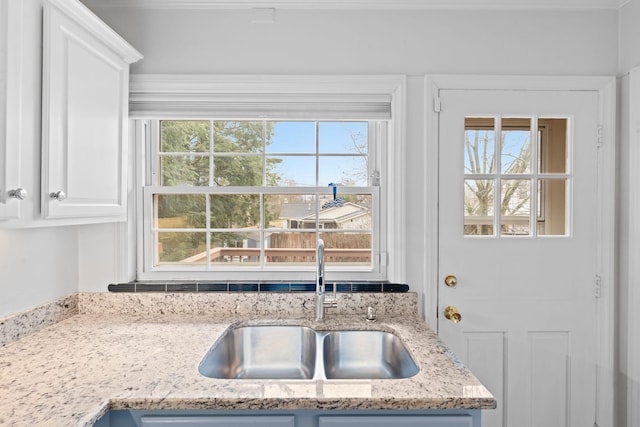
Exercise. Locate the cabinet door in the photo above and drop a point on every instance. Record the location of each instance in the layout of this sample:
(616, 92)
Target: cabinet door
(397, 421)
(10, 108)
(218, 421)
(84, 112)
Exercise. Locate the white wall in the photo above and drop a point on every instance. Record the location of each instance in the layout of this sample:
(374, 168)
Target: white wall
(629, 321)
(376, 42)
(373, 42)
(41, 264)
(36, 267)
(629, 47)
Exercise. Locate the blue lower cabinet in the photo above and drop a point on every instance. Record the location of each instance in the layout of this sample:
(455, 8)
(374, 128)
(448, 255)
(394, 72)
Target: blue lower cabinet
(217, 421)
(296, 418)
(397, 421)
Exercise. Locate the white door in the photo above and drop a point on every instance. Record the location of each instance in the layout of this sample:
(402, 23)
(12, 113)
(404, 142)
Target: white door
(518, 233)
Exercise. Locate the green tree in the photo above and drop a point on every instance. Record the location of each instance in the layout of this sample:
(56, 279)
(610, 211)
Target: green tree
(186, 150)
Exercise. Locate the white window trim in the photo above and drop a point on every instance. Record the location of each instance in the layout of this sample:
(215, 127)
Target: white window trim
(393, 86)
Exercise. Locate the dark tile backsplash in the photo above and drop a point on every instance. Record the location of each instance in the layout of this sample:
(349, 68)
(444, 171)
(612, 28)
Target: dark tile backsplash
(254, 287)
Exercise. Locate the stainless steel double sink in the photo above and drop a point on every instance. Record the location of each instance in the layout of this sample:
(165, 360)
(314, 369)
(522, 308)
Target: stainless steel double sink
(299, 352)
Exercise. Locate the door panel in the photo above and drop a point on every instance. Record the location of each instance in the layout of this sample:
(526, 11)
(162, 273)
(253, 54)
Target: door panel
(526, 299)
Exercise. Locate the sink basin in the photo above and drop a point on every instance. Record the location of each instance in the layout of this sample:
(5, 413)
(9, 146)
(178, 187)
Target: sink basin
(366, 355)
(298, 352)
(262, 352)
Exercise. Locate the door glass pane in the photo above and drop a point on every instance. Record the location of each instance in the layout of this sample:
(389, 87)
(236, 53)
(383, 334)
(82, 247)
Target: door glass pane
(515, 155)
(553, 145)
(515, 207)
(478, 207)
(552, 207)
(479, 145)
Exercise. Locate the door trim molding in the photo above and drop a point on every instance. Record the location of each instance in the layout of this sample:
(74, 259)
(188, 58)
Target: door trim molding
(633, 268)
(606, 88)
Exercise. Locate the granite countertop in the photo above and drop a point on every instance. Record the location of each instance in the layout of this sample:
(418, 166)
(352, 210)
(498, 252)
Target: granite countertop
(74, 371)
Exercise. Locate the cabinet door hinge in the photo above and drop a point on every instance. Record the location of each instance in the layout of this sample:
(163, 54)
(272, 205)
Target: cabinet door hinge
(437, 105)
(598, 286)
(599, 136)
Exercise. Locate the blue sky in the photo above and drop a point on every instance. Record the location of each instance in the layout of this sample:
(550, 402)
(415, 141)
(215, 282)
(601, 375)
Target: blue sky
(334, 138)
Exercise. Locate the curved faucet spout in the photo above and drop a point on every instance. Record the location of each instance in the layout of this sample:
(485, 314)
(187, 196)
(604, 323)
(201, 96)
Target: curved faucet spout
(320, 280)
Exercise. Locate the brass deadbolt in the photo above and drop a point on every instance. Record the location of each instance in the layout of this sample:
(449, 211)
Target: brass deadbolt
(451, 281)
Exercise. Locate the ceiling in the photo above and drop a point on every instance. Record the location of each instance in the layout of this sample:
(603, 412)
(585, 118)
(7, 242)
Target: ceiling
(367, 4)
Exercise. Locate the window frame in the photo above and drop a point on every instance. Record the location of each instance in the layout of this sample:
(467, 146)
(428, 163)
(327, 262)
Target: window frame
(388, 259)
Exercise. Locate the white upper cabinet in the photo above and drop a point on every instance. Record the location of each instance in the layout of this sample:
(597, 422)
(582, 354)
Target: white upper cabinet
(85, 67)
(11, 190)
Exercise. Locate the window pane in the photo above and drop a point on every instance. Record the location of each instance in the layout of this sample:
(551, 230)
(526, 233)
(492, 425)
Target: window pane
(237, 170)
(181, 248)
(478, 207)
(297, 248)
(554, 147)
(240, 136)
(292, 137)
(347, 211)
(516, 207)
(180, 136)
(235, 248)
(180, 210)
(344, 170)
(515, 155)
(290, 171)
(290, 211)
(184, 170)
(552, 207)
(353, 249)
(479, 145)
(235, 210)
(343, 137)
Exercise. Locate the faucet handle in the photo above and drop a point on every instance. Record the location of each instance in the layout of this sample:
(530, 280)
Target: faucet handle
(371, 314)
(333, 301)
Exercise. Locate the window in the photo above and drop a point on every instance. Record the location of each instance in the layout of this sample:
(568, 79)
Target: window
(505, 166)
(231, 192)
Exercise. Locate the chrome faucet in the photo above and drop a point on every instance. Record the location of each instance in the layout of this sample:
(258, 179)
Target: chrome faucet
(321, 300)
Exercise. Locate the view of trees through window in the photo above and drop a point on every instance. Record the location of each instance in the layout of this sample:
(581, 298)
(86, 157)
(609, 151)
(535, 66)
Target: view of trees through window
(510, 162)
(247, 192)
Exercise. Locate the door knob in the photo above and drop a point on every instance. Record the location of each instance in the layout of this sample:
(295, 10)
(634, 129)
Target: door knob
(452, 313)
(18, 193)
(451, 281)
(58, 195)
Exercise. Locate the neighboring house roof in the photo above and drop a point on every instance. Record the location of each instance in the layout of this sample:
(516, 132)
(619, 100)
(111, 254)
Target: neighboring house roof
(296, 210)
(305, 212)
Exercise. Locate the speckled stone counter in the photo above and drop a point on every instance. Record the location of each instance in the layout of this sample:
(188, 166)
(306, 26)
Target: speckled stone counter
(106, 357)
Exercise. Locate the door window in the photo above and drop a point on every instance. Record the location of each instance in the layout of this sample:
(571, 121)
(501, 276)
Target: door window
(507, 160)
